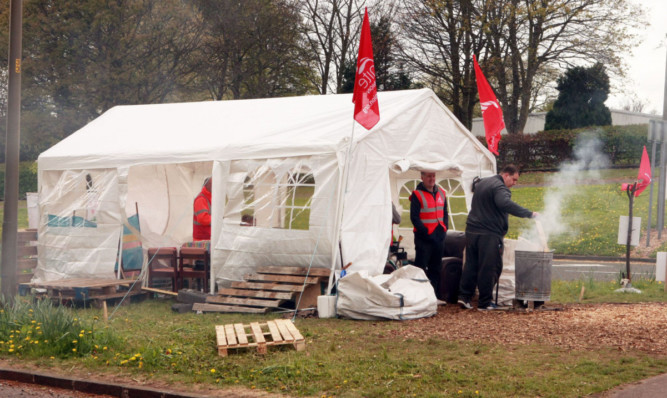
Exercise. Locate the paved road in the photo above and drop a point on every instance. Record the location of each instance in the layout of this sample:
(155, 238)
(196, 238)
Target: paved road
(600, 271)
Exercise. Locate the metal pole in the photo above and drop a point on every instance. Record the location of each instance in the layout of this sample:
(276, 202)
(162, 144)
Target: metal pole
(631, 195)
(10, 222)
(661, 186)
(650, 195)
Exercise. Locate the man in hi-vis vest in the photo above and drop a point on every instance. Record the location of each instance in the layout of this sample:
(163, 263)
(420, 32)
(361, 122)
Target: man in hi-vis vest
(428, 213)
(201, 219)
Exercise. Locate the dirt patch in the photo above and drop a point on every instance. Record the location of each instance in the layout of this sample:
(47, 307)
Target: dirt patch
(621, 326)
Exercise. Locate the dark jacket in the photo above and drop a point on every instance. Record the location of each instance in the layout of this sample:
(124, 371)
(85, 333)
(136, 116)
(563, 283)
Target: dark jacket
(421, 230)
(491, 204)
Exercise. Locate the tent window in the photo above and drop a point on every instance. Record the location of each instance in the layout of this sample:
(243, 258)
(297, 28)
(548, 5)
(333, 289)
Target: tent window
(456, 202)
(282, 203)
(296, 188)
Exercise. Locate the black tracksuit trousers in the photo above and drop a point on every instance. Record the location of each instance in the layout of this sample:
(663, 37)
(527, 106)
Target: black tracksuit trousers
(483, 266)
(428, 256)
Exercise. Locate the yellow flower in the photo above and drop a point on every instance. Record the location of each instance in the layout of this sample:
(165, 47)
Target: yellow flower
(73, 349)
(80, 334)
(104, 348)
(74, 341)
(52, 357)
(212, 370)
(11, 350)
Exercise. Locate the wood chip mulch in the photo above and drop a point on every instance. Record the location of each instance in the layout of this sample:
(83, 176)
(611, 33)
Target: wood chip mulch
(578, 326)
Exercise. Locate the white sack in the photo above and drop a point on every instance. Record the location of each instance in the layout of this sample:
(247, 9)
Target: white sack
(405, 294)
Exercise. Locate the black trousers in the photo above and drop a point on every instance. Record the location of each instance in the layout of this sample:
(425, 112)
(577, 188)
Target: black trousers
(483, 266)
(428, 256)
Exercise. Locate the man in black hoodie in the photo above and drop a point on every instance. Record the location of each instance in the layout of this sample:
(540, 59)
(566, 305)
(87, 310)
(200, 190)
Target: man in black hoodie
(429, 216)
(486, 226)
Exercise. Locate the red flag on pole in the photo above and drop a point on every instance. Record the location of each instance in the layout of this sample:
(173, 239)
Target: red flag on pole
(644, 176)
(491, 112)
(365, 97)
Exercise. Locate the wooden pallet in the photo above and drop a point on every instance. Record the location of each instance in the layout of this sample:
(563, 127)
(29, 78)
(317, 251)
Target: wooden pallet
(269, 288)
(91, 290)
(259, 335)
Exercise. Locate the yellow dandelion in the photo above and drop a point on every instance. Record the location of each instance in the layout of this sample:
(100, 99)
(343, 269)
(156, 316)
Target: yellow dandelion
(75, 341)
(73, 349)
(33, 321)
(104, 348)
(80, 334)
(11, 350)
(52, 357)
(123, 362)
(212, 370)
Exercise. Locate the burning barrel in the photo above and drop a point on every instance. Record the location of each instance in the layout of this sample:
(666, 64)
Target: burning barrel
(532, 272)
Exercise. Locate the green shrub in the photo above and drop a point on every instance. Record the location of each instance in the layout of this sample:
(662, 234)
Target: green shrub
(27, 179)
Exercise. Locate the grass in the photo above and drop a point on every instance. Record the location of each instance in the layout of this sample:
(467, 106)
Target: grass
(605, 291)
(590, 212)
(343, 358)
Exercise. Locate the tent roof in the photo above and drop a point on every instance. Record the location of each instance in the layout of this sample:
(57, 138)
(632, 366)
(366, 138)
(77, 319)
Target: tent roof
(218, 130)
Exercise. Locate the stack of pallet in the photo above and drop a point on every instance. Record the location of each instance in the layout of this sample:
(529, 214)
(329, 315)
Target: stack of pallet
(85, 290)
(269, 288)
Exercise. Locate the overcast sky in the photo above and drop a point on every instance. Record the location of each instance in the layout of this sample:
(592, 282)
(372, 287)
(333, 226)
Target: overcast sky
(646, 75)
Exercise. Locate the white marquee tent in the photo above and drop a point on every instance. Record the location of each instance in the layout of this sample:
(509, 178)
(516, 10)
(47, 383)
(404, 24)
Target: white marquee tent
(277, 161)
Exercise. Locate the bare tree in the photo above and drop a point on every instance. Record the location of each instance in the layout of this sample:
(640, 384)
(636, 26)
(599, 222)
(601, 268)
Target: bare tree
(440, 38)
(527, 36)
(331, 29)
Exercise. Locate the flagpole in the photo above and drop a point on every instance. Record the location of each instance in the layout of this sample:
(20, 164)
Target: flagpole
(367, 114)
(342, 191)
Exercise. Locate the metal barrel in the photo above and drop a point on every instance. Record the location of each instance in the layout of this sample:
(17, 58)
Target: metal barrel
(533, 275)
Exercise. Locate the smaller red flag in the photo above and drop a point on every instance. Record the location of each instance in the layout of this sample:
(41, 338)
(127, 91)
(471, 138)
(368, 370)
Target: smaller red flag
(491, 111)
(365, 96)
(644, 176)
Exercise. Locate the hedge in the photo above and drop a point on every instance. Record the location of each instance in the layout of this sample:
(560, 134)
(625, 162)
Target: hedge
(27, 179)
(546, 150)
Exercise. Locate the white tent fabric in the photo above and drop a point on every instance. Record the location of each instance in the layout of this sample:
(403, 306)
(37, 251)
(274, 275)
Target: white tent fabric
(154, 158)
(405, 294)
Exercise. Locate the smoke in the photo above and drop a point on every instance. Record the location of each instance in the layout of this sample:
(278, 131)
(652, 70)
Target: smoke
(561, 188)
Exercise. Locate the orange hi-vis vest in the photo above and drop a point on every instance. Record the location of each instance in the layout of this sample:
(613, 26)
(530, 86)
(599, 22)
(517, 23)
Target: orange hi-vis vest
(432, 209)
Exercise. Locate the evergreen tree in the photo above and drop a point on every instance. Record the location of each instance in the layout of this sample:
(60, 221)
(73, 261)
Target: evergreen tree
(580, 103)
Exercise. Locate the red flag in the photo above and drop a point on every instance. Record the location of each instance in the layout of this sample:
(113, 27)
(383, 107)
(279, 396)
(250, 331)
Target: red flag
(644, 176)
(365, 97)
(491, 112)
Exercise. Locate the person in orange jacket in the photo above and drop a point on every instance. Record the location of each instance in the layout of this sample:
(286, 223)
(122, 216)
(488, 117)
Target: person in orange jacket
(201, 219)
(429, 216)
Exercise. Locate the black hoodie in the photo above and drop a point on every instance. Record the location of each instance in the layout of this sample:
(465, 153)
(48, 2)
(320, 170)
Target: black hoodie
(491, 203)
